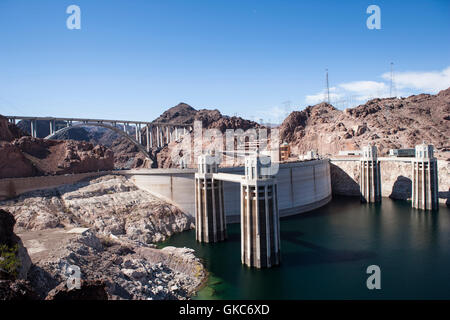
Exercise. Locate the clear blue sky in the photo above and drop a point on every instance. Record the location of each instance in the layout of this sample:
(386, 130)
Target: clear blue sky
(134, 59)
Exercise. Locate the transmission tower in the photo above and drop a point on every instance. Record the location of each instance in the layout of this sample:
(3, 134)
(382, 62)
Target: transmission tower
(327, 98)
(392, 87)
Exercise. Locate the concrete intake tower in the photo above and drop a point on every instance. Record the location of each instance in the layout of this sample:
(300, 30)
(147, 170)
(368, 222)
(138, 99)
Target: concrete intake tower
(370, 178)
(210, 224)
(424, 179)
(260, 222)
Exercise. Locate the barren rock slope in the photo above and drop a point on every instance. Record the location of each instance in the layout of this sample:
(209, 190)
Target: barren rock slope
(388, 123)
(108, 205)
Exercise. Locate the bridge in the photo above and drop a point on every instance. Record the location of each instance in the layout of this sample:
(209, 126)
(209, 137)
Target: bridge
(146, 135)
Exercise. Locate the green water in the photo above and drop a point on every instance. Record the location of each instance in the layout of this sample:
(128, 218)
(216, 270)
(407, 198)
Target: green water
(325, 254)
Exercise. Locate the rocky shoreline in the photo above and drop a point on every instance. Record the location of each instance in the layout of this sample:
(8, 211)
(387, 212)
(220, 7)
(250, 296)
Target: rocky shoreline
(107, 227)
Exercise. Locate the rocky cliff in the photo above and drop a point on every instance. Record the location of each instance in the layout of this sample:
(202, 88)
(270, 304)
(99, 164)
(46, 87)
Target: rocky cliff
(23, 156)
(388, 123)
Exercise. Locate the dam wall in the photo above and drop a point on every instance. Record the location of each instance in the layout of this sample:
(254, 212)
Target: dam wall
(396, 177)
(302, 186)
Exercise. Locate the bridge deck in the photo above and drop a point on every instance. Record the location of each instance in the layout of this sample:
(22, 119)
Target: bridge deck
(99, 121)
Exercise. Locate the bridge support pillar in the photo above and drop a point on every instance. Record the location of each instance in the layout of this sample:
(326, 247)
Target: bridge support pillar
(260, 222)
(424, 179)
(139, 134)
(147, 137)
(370, 178)
(151, 136)
(33, 128)
(136, 132)
(52, 124)
(210, 224)
(167, 135)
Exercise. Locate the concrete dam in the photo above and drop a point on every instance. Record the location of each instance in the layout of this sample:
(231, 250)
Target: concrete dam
(302, 186)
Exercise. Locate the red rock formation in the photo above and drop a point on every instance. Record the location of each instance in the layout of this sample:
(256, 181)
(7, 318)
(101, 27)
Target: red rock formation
(13, 162)
(211, 119)
(68, 156)
(23, 156)
(184, 113)
(9, 131)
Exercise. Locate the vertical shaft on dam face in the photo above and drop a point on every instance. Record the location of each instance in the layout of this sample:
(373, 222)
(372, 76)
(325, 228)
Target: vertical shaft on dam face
(260, 230)
(210, 224)
(424, 179)
(370, 178)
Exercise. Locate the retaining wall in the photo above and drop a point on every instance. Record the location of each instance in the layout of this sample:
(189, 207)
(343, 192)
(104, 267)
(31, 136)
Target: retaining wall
(11, 187)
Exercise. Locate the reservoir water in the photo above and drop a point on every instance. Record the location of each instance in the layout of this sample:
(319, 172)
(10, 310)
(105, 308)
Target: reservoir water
(325, 254)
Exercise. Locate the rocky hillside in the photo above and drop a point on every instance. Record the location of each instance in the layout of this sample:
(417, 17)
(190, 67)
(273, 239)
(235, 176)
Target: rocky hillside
(126, 154)
(168, 156)
(184, 113)
(106, 226)
(22, 155)
(110, 205)
(388, 123)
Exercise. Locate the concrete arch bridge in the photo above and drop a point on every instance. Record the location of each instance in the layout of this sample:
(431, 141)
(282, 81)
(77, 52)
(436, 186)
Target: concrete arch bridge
(146, 135)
